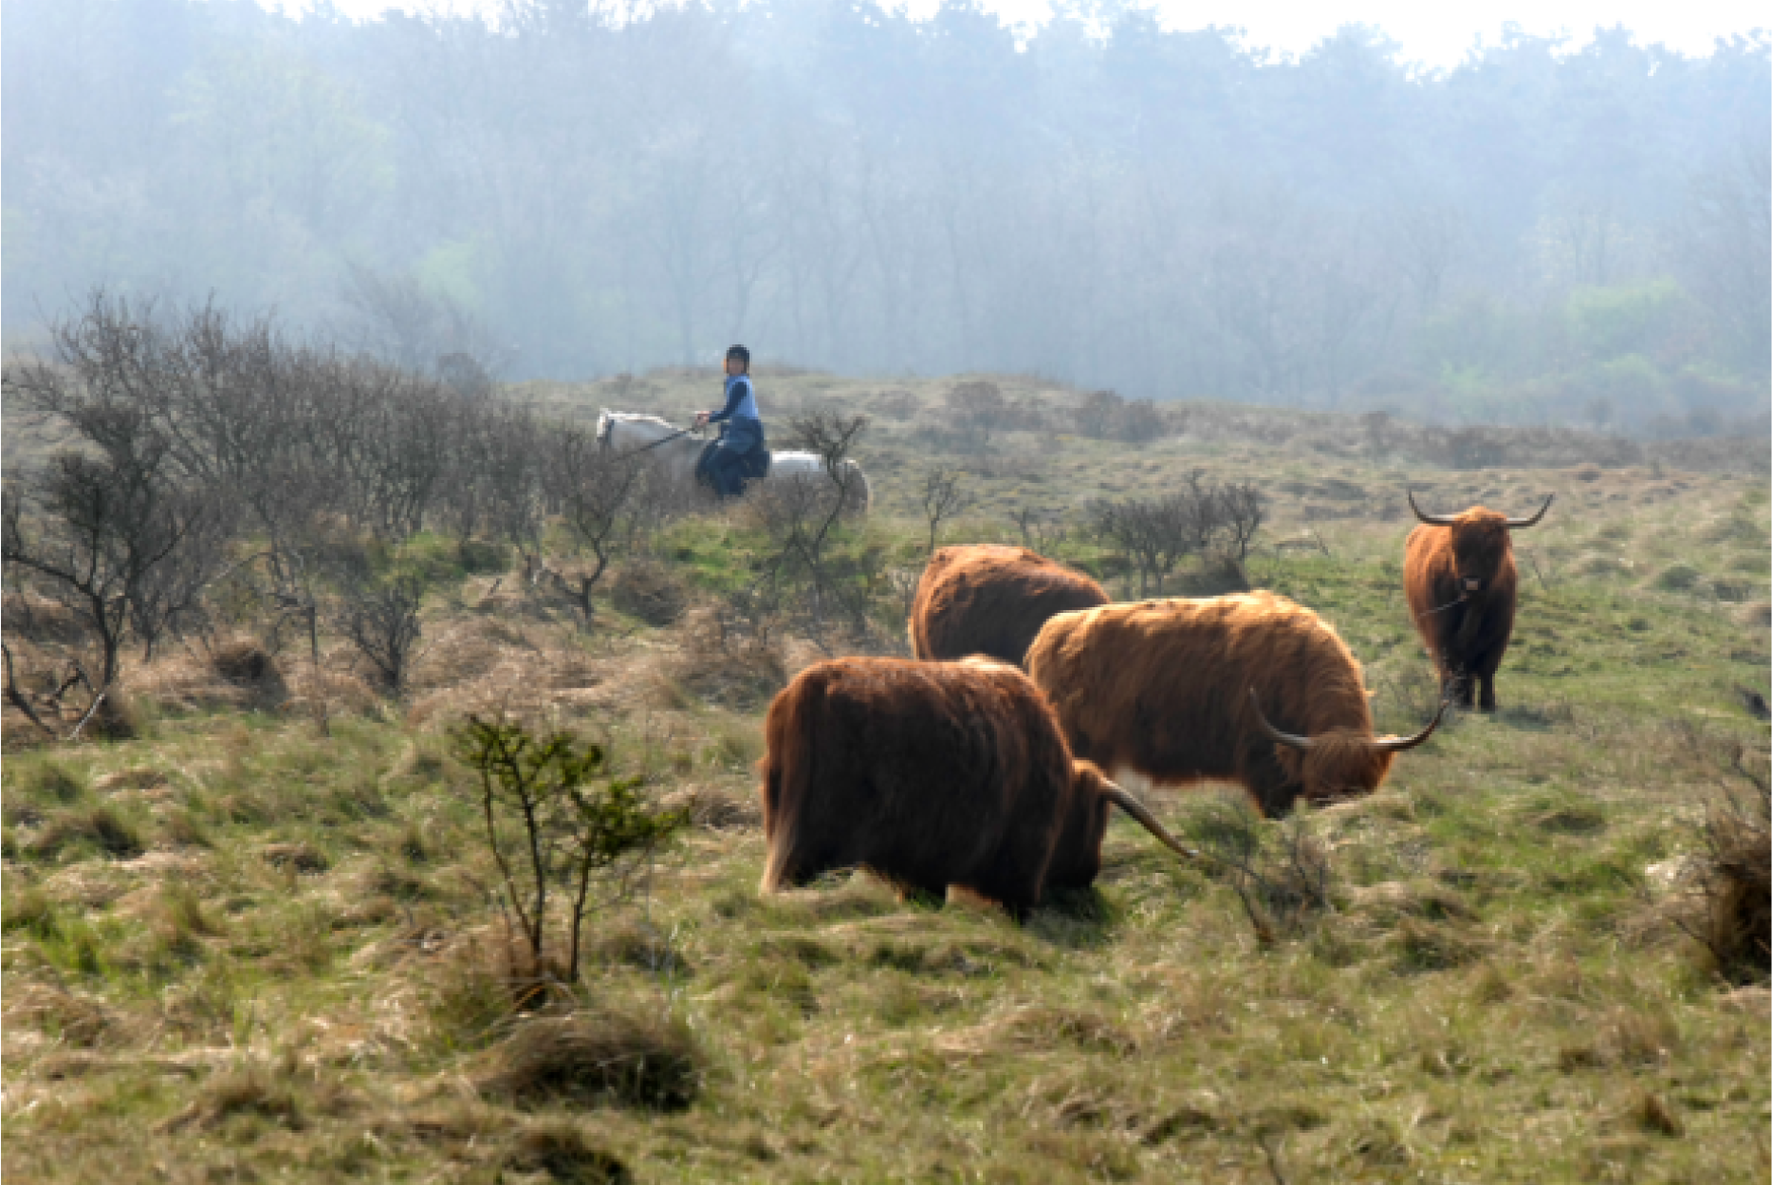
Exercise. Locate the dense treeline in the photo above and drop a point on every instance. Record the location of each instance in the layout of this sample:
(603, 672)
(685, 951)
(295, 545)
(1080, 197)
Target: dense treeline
(565, 192)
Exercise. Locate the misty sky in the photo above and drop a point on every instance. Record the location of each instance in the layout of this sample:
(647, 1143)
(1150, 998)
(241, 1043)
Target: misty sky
(1437, 35)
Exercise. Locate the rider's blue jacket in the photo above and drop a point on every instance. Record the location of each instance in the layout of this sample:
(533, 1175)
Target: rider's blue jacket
(741, 402)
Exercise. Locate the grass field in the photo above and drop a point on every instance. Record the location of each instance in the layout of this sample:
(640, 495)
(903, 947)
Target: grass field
(237, 950)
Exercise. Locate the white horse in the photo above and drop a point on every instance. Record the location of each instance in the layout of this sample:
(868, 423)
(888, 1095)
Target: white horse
(677, 450)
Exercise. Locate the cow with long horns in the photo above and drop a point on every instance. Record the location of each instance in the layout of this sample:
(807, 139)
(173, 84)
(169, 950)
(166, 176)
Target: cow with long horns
(1461, 584)
(931, 775)
(1250, 688)
(988, 599)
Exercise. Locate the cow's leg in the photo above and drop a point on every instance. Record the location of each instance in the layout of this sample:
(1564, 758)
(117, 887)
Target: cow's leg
(1486, 701)
(1016, 874)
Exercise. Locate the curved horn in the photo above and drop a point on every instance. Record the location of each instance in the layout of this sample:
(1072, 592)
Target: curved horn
(1432, 520)
(1284, 738)
(1516, 524)
(1398, 744)
(1122, 798)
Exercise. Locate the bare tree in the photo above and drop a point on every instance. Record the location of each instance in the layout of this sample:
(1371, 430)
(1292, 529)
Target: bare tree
(943, 499)
(599, 497)
(1041, 530)
(399, 318)
(803, 517)
(109, 537)
(1155, 534)
(1242, 510)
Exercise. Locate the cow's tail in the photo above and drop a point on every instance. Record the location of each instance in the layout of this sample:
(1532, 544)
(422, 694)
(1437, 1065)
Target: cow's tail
(787, 777)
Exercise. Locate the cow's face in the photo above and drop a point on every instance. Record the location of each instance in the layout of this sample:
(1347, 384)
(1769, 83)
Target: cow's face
(1479, 549)
(1340, 764)
(1076, 858)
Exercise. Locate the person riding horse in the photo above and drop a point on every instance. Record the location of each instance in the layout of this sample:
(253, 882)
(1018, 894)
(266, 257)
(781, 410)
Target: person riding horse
(741, 433)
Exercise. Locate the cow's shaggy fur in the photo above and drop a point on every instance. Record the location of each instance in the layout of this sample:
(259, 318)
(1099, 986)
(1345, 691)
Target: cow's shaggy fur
(930, 775)
(988, 599)
(1162, 688)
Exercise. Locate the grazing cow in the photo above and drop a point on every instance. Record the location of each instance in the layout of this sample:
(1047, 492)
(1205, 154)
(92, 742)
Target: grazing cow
(1184, 690)
(931, 774)
(1461, 584)
(985, 599)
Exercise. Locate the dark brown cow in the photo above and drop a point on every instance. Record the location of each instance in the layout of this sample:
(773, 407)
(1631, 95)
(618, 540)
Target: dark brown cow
(1461, 584)
(985, 599)
(1176, 691)
(931, 774)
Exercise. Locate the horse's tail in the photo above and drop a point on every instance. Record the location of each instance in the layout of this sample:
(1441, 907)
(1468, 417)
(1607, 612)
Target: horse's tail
(858, 496)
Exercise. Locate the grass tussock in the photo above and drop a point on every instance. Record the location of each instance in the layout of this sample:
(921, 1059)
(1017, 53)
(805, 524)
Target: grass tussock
(65, 1017)
(723, 665)
(249, 1089)
(649, 591)
(1728, 910)
(560, 1149)
(617, 1055)
(100, 827)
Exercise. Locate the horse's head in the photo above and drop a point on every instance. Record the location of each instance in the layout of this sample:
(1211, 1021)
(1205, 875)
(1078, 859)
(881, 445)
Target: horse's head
(626, 431)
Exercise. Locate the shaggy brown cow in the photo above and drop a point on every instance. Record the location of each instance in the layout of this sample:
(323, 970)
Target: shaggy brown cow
(985, 599)
(1461, 584)
(931, 774)
(1176, 690)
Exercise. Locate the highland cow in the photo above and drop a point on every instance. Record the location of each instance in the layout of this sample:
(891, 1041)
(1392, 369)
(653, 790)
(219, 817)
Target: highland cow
(986, 599)
(931, 775)
(1462, 586)
(1182, 690)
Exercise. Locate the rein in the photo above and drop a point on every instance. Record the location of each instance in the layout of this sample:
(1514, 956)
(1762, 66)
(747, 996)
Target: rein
(609, 443)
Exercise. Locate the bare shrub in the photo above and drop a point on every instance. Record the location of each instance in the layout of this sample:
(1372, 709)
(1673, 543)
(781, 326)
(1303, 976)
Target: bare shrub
(1154, 535)
(1279, 871)
(123, 550)
(379, 616)
(1042, 531)
(396, 316)
(1096, 416)
(1106, 415)
(808, 558)
(611, 504)
(943, 499)
(1242, 509)
(975, 410)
